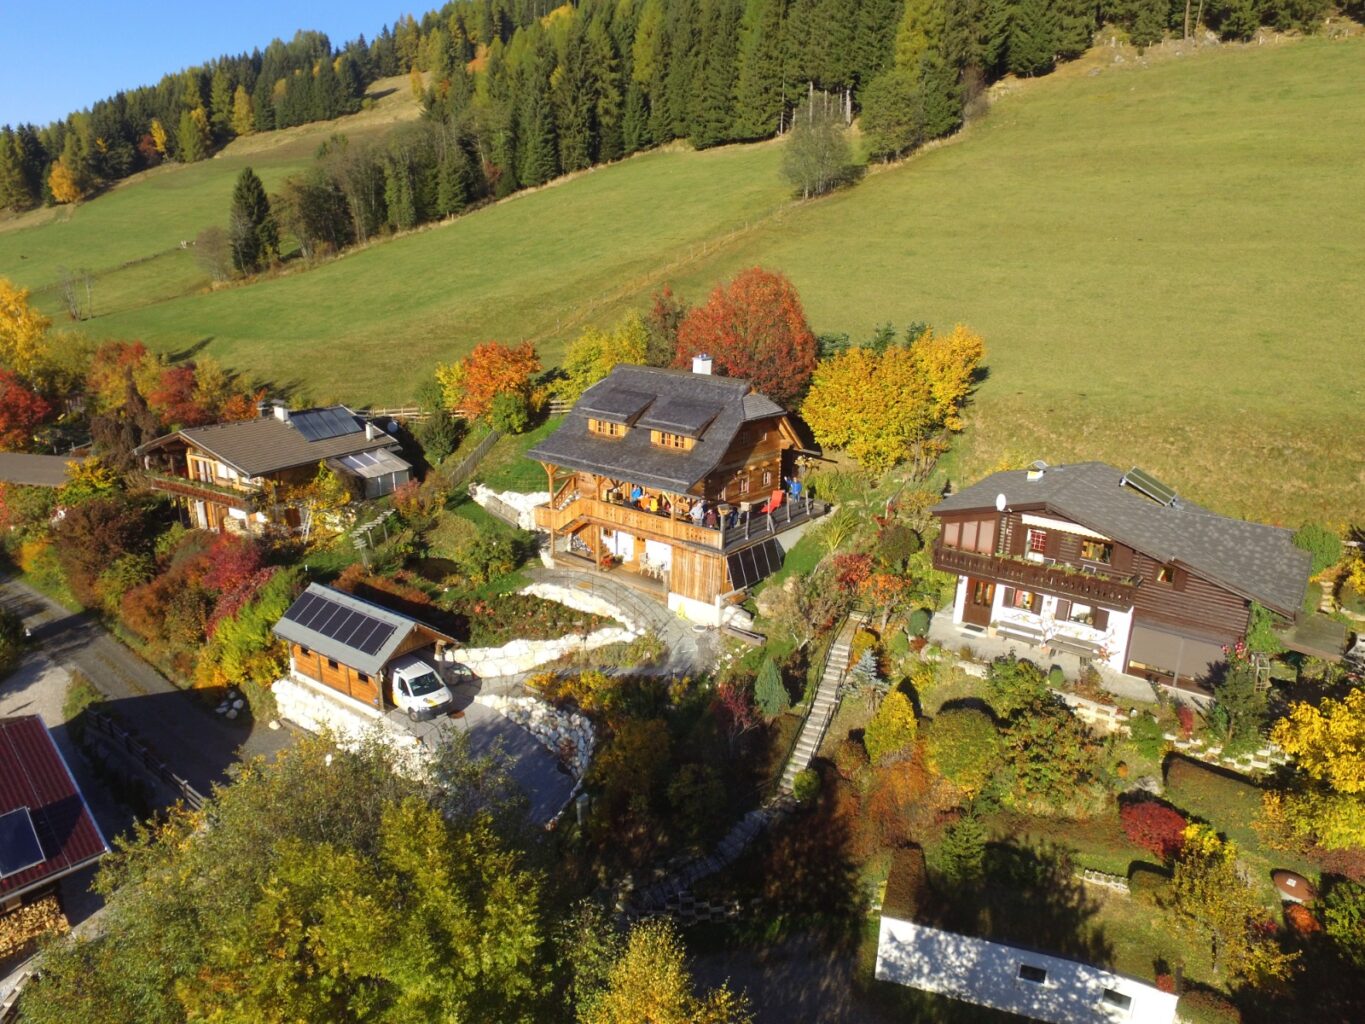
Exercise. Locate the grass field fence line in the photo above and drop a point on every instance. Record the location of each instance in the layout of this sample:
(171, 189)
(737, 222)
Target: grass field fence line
(470, 462)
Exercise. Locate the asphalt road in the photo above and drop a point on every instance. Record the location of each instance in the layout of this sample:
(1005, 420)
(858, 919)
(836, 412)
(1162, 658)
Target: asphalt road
(175, 724)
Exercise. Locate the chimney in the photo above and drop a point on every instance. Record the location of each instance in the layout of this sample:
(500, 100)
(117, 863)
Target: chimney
(371, 431)
(1035, 471)
(701, 364)
(281, 411)
(262, 408)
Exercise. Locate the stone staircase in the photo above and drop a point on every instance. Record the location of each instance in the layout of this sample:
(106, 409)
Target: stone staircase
(823, 705)
(670, 892)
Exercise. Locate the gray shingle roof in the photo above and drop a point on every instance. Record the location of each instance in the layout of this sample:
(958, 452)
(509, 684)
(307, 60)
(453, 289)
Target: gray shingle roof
(267, 445)
(633, 457)
(1258, 562)
(34, 470)
(367, 661)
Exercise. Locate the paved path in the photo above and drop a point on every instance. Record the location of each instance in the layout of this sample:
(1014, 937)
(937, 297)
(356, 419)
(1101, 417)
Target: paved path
(688, 648)
(174, 723)
(823, 704)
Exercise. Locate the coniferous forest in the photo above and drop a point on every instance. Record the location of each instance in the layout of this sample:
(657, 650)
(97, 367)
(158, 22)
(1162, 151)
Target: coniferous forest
(517, 92)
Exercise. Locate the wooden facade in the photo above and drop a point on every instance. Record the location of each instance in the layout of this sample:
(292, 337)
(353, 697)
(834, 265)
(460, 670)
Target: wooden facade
(363, 687)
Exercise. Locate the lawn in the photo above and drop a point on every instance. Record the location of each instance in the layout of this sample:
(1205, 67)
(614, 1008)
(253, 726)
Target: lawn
(506, 467)
(1158, 253)
(131, 237)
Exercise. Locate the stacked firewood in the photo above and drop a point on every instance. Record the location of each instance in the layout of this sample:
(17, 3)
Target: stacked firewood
(19, 929)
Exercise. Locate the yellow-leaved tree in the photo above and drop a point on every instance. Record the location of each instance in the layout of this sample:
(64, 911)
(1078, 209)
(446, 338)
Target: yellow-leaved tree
(1325, 804)
(64, 183)
(884, 407)
(243, 118)
(159, 137)
(23, 331)
(595, 353)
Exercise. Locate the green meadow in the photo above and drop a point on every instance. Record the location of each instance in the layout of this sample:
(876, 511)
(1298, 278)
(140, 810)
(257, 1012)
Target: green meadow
(1163, 256)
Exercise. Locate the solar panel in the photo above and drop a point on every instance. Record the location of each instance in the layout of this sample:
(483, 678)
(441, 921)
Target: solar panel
(377, 640)
(749, 566)
(304, 609)
(1144, 483)
(19, 846)
(616, 404)
(347, 626)
(320, 424)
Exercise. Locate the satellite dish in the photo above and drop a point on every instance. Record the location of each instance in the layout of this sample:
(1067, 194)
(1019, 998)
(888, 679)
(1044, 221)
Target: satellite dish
(1000, 502)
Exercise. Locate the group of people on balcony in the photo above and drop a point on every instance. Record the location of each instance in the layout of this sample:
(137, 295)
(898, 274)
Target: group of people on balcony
(709, 514)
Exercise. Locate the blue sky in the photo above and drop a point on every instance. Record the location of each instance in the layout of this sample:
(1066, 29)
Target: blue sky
(62, 57)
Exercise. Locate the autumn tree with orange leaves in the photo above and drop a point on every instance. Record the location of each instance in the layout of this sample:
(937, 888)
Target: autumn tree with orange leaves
(754, 328)
(21, 412)
(886, 407)
(492, 369)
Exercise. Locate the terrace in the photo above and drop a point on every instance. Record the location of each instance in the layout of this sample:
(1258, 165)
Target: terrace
(1088, 583)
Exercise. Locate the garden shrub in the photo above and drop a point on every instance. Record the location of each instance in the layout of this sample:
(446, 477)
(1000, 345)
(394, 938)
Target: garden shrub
(850, 759)
(1148, 885)
(1147, 735)
(1014, 683)
(892, 729)
(964, 746)
(1300, 920)
(698, 800)
(1185, 716)
(510, 413)
(94, 535)
(495, 621)
(1054, 761)
(770, 693)
(806, 786)
(895, 544)
(1056, 678)
(1201, 1006)
(919, 622)
(1321, 543)
(962, 852)
(478, 555)
(127, 572)
(1343, 917)
(1154, 826)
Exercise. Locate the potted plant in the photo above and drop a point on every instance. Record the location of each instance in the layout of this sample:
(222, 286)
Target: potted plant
(608, 561)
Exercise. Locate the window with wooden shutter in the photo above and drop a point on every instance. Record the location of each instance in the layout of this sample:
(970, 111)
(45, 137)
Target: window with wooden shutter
(1009, 597)
(1053, 544)
(1101, 618)
(952, 531)
(1063, 609)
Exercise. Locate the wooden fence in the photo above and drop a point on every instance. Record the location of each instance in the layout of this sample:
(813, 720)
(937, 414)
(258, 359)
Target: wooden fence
(470, 462)
(121, 739)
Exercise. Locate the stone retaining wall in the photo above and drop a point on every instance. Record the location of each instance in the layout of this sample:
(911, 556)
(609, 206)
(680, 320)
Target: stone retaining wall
(513, 506)
(1262, 760)
(565, 734)
(524, 655)
(310, 709)
(582, 601)
(1101, 716)
(1115, 882)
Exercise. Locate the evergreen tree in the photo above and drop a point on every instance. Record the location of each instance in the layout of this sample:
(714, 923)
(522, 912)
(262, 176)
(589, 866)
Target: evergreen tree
(889, 113)
(1033, 38)
(263, 104)
(192, 136)
(635, 133)
(251, 225)
(1076, 26)
(14, 188)
(770, 693)
(920, 30)
(719, 52)
(605, 68)
(976, 35)
(326, 93)
(453, 185)
(758, 91)
(798, 69)
(220, 104)
(833, 35)
(574, 104)
(681, 72)
(874, 41)
(1146, 22)
(538, 157)
(962, 853)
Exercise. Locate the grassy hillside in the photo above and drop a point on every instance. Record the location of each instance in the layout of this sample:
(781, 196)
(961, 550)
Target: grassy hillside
(130, 237)
(1163, 260)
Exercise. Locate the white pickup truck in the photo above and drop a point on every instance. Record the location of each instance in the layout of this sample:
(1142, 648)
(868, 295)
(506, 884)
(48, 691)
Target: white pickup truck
(418, 690)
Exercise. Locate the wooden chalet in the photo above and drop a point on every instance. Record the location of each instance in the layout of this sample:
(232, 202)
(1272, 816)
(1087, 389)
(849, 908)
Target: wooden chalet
(229, 475)
(46, 828)
(1113, 567)
(682, 479)
(345, 643)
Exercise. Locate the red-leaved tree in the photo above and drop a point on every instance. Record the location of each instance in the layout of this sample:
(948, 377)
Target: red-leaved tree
(21, 412)
(754, 327)
(490, 370)
(1154, 826)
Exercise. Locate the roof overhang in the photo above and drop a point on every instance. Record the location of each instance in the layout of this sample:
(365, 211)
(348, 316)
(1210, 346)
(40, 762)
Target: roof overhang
(1315, 635)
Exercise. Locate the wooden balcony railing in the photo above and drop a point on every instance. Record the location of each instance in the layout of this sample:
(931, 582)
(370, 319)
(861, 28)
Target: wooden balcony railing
(201, 490)
(632, 520)
(1053, 579)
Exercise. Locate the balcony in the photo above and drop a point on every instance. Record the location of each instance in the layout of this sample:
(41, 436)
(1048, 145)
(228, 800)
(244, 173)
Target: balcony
(568, 512)
(202, 490)
(1066, 581)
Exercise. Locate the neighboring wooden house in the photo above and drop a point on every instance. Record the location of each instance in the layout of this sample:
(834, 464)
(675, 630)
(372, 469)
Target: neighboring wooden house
(678, 477)
(1112, 566)
(345, 643)
(230, 475)
(46, 828)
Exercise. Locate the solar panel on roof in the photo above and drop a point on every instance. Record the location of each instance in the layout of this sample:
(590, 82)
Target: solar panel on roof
(1144, 483)
(617, 404)
(349, 627)
(376, 640)
(19, 846)
(304, 609)
(320, 424)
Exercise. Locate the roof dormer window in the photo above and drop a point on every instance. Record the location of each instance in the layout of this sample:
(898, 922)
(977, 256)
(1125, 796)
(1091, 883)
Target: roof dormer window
(606, 428)
(678, 442)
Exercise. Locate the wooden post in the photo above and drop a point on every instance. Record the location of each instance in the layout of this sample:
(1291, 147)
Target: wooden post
(550, 475)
